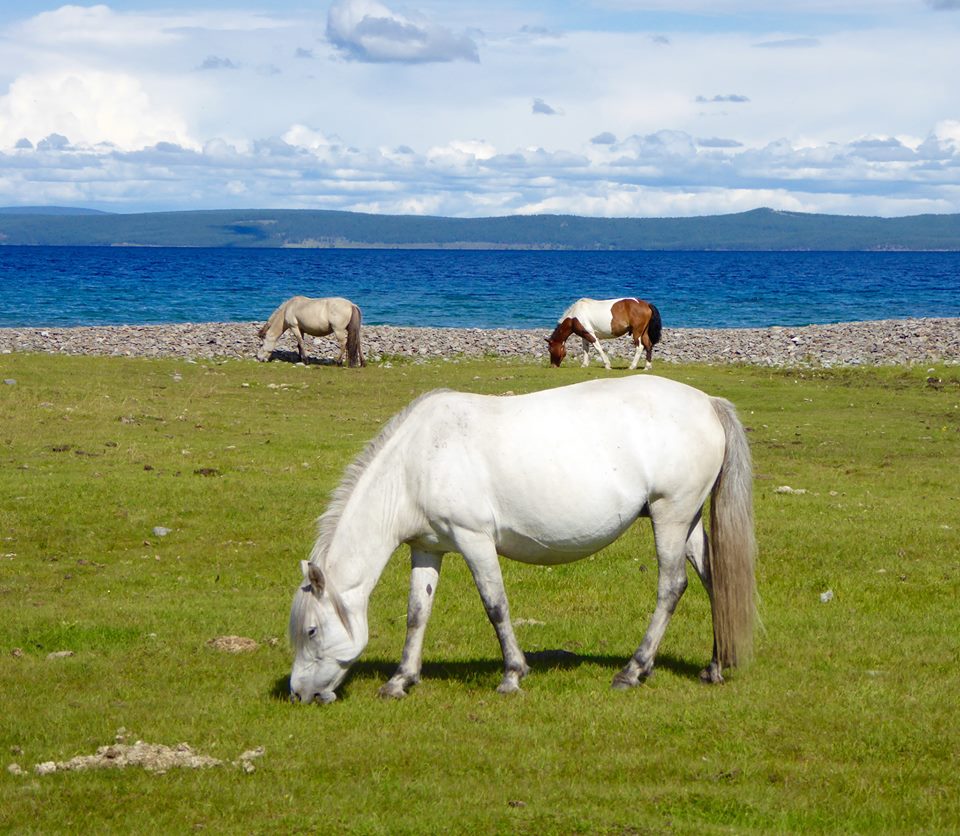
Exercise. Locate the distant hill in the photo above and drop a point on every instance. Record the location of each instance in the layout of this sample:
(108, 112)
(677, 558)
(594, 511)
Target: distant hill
(48, 210)
(760, 229)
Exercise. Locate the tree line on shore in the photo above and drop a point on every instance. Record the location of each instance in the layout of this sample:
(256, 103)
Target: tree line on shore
(759, 229)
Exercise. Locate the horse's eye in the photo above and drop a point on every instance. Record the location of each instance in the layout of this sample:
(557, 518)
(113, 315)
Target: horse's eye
(312, 633)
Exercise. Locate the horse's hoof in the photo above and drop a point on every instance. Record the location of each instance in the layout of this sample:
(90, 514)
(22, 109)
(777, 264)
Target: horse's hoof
(510, 685)
(391, 691)
(711, 675)
(624, 682)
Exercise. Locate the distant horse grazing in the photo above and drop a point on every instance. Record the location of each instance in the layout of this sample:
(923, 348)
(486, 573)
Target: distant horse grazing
(486, 476)
(317, 317)
(603, 319)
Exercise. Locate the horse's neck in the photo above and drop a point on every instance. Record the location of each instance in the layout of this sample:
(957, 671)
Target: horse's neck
(563, 330)
(371, 525)
(277, 321)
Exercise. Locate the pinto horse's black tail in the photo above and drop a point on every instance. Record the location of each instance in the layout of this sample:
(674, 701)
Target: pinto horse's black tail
(354, 351)
(655, 328)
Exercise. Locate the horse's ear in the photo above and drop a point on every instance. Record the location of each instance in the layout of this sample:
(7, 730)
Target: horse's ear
(313, 576)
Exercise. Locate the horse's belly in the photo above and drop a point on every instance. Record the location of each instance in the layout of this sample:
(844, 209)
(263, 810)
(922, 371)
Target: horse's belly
(525, 549)
(566, 538)
(531, 532)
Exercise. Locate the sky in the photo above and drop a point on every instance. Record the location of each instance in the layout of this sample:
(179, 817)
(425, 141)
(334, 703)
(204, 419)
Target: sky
(478, 108)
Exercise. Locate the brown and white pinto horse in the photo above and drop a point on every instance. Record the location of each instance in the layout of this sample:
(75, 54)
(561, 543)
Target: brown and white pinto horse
(603, 319)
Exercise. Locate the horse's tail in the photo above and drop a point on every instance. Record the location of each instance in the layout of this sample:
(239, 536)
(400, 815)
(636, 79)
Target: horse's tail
(732, 544)
(354, 351)
(277, 314)
(655, 326)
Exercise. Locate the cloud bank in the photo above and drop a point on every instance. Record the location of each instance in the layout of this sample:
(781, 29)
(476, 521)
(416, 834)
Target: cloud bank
(478, 110)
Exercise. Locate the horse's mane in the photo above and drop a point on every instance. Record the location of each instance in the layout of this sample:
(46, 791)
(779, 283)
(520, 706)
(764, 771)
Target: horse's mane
(327, 521)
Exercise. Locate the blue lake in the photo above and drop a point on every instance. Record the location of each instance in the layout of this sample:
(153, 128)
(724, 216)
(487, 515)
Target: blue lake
(62, 286)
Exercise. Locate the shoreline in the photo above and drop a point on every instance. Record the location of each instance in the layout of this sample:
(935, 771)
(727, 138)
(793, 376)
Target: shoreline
(869, 343)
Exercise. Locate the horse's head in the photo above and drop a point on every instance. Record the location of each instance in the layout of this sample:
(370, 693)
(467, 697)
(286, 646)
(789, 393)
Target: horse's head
(558, 350)
(324, 642)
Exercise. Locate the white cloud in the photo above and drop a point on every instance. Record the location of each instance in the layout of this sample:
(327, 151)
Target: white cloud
(366, 30)
(92, 25)
(949, 131)
(88, 107)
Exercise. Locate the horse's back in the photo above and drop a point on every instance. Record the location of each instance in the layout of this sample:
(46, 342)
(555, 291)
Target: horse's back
(562, 470)
(616, 411)
(594, 314)
(319, 316)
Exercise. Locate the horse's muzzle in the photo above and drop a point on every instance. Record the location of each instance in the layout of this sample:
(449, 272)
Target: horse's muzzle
(322, 697)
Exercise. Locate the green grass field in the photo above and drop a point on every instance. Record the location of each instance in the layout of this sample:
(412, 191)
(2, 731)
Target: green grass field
(847, 720)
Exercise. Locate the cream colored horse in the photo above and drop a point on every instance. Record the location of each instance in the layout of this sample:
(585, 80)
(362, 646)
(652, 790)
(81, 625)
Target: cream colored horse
(317, 317)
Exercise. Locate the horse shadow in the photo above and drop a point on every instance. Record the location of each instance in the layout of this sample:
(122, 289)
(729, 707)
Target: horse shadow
(478, 671)
(285, 355)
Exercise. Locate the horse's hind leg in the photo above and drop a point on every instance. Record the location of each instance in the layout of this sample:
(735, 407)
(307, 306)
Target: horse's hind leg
(342, 340)
(424, 576)
(642, 344)
(648, 348)
(671, 538)
(636, 354)
(697, 553)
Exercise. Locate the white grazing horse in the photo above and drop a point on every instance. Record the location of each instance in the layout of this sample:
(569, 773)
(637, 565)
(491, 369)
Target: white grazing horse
(604, 319)
(317, 317)
(549, 477)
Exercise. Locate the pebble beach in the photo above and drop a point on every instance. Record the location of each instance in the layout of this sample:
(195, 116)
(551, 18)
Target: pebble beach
(874, 343)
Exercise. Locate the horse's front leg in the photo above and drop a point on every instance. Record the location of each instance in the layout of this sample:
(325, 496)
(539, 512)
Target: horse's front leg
(300, 345)
(599, 348)
(586, 352)
(424, 577)
(671, 583)
(481, 556)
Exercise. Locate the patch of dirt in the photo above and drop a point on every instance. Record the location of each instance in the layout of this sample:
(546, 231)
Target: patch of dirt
(153, 757)
(233, 644)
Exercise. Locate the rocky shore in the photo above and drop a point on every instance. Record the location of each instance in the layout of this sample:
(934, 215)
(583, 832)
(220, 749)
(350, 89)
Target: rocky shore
(884, 342)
